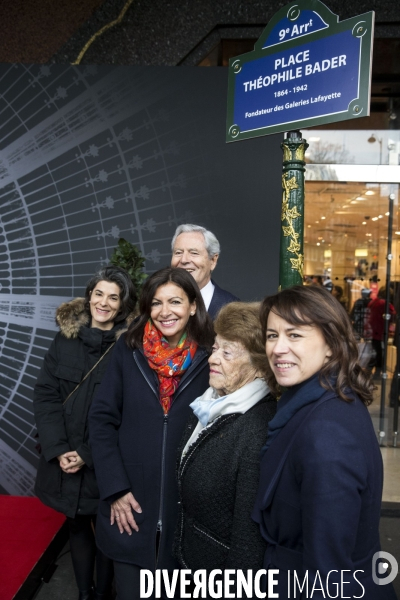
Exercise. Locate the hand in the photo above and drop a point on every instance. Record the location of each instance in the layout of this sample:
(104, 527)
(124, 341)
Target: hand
(70, 462)
(121, 513)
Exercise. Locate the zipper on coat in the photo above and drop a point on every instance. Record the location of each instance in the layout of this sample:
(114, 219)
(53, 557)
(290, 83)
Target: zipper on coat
(164, 445)
(161, 505)
(159, 522)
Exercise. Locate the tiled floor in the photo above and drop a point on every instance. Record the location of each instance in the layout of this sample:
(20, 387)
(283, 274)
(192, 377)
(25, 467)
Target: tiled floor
(390, 454)
(391, 483)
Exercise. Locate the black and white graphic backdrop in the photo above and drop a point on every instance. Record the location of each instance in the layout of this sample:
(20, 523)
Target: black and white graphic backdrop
(90, 154)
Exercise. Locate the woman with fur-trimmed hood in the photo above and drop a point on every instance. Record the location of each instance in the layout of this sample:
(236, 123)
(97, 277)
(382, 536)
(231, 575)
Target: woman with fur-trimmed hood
(71, 373)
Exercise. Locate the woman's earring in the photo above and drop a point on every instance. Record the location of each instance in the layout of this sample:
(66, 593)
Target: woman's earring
(191, 314)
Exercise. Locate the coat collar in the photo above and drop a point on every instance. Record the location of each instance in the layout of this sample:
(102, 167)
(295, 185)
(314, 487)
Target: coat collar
(71, 317)
(199, 360)
(219, 299)
(275, 458)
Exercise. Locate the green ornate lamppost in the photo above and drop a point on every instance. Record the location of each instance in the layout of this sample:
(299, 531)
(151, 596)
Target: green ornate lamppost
(292, 232)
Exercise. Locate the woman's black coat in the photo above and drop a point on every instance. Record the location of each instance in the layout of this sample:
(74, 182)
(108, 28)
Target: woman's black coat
(218, 479)
(73, 352)
(134, 449)
(319, 500)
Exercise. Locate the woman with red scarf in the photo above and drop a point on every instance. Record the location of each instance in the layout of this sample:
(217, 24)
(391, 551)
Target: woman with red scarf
(136, 423)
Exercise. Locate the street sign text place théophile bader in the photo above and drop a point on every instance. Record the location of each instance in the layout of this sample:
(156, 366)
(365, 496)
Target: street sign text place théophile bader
(306, 69)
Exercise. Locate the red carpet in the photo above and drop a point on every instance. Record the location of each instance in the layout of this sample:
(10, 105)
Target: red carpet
(27, 527)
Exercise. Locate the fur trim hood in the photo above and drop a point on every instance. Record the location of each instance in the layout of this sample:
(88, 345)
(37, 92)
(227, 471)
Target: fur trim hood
(71, 316)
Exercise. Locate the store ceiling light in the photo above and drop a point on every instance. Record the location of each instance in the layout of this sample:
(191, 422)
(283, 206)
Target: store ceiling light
(387, 214)
(397, 232)
(374, 218)
(380, 216)
(364, 222)
(360, 198)
(369, 193)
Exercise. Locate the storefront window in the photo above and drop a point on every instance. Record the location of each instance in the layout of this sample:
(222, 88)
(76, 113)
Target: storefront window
(347, 208)
(362, 147)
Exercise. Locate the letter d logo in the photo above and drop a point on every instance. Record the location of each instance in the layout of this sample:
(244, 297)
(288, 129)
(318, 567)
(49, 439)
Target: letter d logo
(388, 566)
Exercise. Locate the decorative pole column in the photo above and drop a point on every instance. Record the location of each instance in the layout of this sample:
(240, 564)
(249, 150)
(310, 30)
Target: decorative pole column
(291, 262)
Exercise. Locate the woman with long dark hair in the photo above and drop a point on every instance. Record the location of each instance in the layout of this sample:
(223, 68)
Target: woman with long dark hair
(72, 371)
(137, 420)
(319, 497)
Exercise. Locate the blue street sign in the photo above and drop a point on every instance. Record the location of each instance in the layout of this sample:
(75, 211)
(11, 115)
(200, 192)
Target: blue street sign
(307, 69)
(307, 22)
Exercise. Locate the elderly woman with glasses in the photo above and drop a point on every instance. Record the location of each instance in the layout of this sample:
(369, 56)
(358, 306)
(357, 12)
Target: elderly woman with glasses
(219, 458)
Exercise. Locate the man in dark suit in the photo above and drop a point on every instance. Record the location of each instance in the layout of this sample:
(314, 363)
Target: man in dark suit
(196, 250)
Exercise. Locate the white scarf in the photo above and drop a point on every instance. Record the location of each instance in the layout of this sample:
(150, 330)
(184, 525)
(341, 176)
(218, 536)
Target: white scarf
(209, 406)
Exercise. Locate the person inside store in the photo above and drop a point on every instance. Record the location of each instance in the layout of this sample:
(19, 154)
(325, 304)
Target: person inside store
(360, 314)
(136, 423)
(72, 370)
(319, 497)
(337, 292)
(197, 250)
(218, 470)
(376, 321)
(328, 283)
(317, 280)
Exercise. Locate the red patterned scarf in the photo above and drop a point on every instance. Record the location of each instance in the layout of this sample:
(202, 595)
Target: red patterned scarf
(169, 363)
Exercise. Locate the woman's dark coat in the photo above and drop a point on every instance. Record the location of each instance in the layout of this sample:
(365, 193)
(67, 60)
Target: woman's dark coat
(73, 352)
(134, 449)
(218, 480)
(319, 499)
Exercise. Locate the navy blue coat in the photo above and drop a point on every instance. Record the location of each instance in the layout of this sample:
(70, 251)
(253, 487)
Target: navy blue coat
(319, 499)
(219, 299)
(134, 448)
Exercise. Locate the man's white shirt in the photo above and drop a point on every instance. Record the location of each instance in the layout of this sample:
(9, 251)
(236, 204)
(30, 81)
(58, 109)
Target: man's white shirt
(207, 293)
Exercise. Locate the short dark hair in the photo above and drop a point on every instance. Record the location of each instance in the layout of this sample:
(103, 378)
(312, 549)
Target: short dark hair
(199, 327)
(121, 278)
(382, 293)
(312, 305)
(239, 322)
(339, 291)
